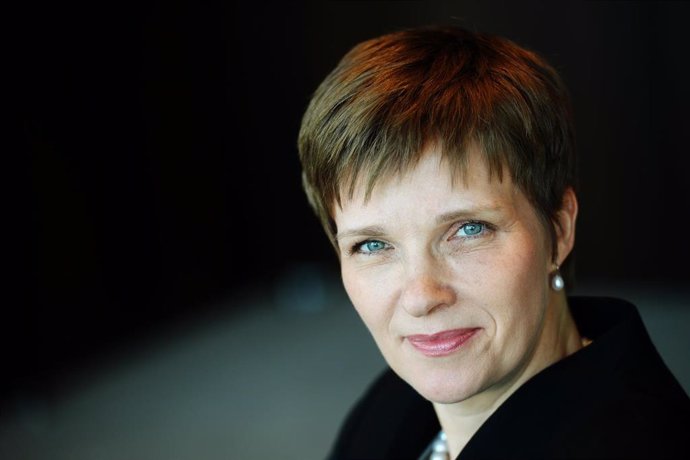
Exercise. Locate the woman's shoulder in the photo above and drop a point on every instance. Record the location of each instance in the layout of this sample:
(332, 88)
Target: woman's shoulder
(622, 362)
(612, 399)
(632, 405)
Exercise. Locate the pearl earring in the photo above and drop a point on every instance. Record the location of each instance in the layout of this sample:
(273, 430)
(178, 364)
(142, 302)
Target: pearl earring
(557, 283)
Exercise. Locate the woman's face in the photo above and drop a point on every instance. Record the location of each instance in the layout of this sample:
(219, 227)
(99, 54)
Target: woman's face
(450, 277)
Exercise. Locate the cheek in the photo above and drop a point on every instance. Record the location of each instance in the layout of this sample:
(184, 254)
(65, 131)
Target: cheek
(351, 285)
(367, 295)
(507, 281)
(519, 288)
(524, 260)
(507, 271)
(524, 270)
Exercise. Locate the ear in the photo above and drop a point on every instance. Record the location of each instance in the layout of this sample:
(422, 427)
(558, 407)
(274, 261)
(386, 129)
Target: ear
(565, 225)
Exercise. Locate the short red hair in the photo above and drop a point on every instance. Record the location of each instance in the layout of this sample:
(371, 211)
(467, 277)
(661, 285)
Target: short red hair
(391, 96)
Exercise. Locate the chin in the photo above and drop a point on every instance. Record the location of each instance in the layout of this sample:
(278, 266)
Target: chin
(443, 388)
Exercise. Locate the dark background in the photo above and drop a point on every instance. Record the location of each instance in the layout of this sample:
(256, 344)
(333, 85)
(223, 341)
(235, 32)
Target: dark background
(163, 173)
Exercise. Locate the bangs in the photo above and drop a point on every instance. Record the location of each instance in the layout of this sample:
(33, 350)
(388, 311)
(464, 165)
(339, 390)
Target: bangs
(391, 98)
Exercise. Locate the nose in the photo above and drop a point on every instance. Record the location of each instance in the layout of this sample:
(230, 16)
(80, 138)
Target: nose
(425, 288)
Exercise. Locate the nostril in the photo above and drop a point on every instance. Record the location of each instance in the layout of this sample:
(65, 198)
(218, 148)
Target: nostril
(423, 295)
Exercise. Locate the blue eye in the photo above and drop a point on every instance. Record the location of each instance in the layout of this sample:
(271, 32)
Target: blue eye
(370, 246)
(471, 229)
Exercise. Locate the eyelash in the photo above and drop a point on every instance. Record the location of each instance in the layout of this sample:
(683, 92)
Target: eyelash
(355, 249)
(486, 227)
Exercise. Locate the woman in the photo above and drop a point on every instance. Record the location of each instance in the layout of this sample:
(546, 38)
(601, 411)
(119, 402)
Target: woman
(441, 164)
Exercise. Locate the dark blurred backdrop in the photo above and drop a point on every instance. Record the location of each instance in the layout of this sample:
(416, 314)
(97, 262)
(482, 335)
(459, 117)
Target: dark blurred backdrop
(163, 172)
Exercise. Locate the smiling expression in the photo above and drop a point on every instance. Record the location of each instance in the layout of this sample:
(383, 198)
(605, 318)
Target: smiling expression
(450, 277)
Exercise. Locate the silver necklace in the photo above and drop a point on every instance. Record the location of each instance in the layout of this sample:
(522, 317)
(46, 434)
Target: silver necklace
(438, 449)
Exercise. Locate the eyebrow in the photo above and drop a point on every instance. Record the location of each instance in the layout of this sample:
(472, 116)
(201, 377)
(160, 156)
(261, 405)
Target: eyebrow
(467, 213)
(369, 231)
(377, 231)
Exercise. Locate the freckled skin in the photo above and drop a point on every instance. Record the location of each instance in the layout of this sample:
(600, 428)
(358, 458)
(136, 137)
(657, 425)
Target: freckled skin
(430, 276)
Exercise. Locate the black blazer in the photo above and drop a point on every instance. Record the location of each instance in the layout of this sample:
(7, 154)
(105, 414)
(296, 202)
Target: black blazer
(613, 399)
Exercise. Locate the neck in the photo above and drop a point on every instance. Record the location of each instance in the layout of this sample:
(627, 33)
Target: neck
(558, 338)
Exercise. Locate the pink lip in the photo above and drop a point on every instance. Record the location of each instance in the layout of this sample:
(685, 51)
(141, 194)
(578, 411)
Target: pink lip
(442, 343)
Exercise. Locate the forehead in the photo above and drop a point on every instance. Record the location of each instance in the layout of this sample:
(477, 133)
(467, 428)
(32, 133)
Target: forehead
(432, 184)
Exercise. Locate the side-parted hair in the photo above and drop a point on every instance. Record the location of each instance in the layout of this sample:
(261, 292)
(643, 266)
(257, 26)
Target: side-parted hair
(390, 97)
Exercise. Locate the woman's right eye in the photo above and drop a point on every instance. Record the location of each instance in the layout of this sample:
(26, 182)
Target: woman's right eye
(369, 247)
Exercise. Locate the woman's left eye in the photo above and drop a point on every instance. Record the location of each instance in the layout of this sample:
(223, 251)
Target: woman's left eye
(471, 229)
